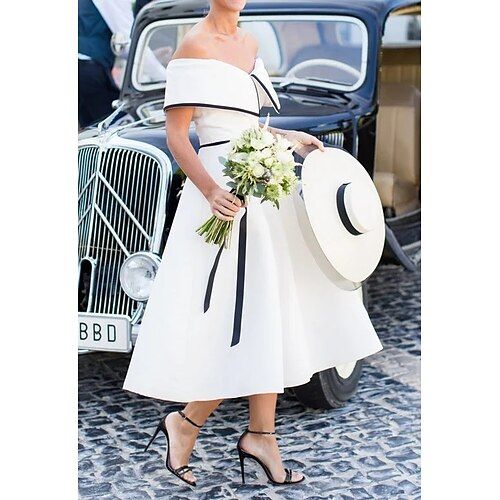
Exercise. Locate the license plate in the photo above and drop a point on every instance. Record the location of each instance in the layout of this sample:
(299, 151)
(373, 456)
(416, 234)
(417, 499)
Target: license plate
(99, 332)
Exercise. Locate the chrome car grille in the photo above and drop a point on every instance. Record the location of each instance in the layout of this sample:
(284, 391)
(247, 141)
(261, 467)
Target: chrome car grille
(121, 210)
(334, 138)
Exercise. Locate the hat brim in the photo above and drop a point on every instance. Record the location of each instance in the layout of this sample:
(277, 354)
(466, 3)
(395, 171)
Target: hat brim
(354, 257)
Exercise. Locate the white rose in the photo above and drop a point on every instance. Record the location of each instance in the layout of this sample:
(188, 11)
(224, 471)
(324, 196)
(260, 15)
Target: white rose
(254, 156)
(269, 162)
(266, 153)
(240, 158)
(268, 138)
(258, 170)
(257, 143)
(285, 157)
(282, 144)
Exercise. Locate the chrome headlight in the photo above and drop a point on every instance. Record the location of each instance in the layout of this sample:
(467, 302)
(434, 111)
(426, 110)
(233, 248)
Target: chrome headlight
(137, 275)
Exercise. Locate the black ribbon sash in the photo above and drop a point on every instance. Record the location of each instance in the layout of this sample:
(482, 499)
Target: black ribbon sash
(240, 280)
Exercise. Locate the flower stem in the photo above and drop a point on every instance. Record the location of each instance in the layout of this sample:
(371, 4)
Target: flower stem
(217, 231)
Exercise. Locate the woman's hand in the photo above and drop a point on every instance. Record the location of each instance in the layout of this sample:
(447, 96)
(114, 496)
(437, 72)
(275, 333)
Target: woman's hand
(305, 143)
(224, 205)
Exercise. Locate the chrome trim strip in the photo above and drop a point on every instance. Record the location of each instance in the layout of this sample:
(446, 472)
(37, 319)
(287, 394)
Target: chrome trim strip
(104, 124)
(137, 314)
(94, 195)
(125, 208)
(92, 279)
(84, 214)
(89, 182)
(112, 231)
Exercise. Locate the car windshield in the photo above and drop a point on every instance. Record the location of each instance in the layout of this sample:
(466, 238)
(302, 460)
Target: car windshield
(323, 50)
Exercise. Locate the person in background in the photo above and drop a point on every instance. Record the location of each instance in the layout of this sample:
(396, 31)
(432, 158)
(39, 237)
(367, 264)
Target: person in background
(98, 20)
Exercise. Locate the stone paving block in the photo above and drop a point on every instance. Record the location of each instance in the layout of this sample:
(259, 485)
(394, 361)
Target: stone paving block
(370, 448)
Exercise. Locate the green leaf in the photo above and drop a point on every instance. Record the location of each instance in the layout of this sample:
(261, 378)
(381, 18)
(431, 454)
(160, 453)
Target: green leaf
(259, 190)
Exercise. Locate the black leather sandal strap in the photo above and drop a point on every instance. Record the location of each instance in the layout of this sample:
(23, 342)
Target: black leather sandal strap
(185, 417)
(288, 477)
(183, 469)
(261, 432)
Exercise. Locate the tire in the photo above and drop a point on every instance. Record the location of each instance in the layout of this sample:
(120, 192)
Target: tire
(327, 389)
(332, 388)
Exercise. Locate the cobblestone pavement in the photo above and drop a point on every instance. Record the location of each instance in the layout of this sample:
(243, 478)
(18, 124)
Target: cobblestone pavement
(370, 448)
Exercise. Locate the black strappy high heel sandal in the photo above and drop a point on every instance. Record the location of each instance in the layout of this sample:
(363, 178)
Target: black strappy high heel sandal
(181, 471)
(244, 454)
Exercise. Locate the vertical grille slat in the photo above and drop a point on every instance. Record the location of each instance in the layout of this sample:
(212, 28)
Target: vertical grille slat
(138, 179)
(332, 138)
(146, 183)
(122, 181)
(150, 200)
(116, 255)
(100, 231)
(109, 243)
(87, 160)
(137, 187)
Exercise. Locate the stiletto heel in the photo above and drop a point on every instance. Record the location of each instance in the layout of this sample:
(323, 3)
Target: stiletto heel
(242, 465)
(183, 469)
(158, 428)
(244, 454)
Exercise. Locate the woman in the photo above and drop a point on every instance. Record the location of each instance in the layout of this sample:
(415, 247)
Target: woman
(293, 323)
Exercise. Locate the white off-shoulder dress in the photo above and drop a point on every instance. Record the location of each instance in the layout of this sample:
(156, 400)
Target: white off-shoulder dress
(274, 318)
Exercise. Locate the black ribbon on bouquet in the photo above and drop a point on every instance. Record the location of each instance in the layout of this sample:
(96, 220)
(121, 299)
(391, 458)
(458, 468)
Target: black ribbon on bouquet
(240, 279)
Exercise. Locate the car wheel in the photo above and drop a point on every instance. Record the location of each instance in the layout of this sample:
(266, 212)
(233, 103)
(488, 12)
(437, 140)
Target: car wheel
(330, 388)
(333, 387)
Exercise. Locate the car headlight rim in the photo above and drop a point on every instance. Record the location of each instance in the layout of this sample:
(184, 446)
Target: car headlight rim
(140, 259)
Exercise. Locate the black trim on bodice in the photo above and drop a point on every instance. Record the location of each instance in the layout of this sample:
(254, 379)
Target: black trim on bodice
(205, 105)
(275, 105)
(216, 143)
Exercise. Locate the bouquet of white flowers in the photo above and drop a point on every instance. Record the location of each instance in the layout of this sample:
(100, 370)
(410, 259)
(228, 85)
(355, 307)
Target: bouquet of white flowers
(259, 165)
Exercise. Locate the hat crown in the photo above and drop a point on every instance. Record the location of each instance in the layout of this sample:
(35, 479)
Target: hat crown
(358, 199)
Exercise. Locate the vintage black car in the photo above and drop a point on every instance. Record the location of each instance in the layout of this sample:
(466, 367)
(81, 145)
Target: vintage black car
(346, 71)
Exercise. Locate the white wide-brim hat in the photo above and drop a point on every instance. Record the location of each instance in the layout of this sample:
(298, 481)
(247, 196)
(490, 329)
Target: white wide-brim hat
(344, 212)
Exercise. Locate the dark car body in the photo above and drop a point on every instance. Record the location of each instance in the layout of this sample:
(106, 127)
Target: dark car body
(339, 118)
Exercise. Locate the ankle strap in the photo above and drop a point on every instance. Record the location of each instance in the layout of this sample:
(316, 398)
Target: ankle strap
(261, 432)
(185, 417)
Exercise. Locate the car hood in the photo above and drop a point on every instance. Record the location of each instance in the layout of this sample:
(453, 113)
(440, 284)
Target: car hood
(316, 114)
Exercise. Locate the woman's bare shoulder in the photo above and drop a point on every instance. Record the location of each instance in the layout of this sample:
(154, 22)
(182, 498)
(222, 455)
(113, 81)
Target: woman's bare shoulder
(193, 45)
(249, 40)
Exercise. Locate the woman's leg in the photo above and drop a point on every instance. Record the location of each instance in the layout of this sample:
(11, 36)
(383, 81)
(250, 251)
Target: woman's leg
(262, 418)
(183, 434)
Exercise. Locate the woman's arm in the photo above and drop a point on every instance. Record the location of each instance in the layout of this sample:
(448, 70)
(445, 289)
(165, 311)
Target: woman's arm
(222, 203)
(305, 142)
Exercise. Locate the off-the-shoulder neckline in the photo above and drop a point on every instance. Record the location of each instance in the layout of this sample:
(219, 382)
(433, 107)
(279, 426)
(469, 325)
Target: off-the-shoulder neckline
(207, 59)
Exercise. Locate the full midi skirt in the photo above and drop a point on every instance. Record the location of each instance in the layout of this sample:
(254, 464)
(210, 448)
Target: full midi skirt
(295, 320)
